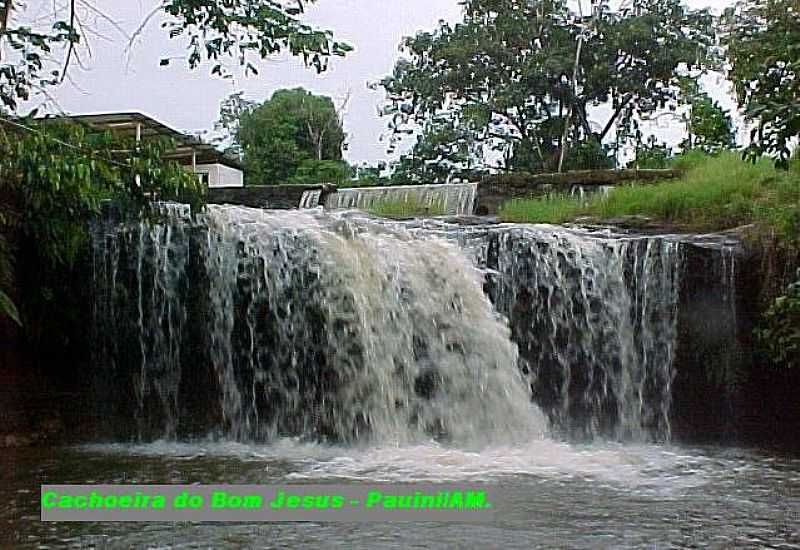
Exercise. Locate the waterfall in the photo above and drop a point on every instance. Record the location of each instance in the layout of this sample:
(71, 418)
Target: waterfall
(595, 315)
(596, 321)
(583, 192)
(310, 199)
(254, 324)
(451, 199)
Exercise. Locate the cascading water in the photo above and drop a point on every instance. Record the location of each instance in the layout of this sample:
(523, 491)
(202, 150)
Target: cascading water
(310, 199)
(451, 199)
(304, 324)
(322, 325)
(583, 192)
(596, 320)
(595, 317)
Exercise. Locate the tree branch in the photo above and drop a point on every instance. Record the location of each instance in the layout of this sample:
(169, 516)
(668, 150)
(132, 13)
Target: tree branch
(613, 118)
(71, 49)
(5, 13)
(139, 30)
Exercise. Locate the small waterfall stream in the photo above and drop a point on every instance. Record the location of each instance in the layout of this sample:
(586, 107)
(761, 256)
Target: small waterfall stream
(310, 199)
(596, 320)
(450, 199)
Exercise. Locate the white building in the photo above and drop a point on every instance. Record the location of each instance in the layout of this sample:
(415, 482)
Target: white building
(213, 167)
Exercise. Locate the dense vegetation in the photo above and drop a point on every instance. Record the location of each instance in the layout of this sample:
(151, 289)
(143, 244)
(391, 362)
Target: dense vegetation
(764, 49)
(780, 333)
(53, 178)
(549, 85)
(522, 78)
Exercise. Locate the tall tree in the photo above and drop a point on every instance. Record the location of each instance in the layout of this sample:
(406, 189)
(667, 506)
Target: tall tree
(293, 128)
(512, 69)
(764, 48)
(241, 30)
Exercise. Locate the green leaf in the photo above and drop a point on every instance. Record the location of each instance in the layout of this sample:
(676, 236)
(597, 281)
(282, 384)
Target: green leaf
(8, 308)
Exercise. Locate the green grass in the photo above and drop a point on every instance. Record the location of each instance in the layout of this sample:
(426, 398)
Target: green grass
(407, 208)
(549, 209)
(714, 194)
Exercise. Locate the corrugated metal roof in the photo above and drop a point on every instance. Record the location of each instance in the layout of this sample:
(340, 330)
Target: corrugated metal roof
(125, 124)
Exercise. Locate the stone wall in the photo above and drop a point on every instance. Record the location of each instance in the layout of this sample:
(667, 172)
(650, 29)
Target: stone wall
(496, 190)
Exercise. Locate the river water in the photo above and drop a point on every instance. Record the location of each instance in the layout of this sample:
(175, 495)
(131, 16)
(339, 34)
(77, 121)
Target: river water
(554, 495)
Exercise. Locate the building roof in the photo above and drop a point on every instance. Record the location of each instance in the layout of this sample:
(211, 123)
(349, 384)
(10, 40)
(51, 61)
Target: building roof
(127, 124)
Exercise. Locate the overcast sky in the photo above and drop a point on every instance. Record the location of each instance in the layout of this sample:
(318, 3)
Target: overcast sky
(116, 78)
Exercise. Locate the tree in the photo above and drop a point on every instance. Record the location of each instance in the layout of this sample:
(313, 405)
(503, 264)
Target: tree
(291, 129)
(651, 155)
(764, 49)
(709, 127)
(321, 171)
(53, 177)
(231, 111)
(443, 151)
(514, 72)
(236, 29)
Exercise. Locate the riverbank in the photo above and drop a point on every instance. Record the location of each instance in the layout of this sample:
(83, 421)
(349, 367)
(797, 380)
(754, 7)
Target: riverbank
(714, 194)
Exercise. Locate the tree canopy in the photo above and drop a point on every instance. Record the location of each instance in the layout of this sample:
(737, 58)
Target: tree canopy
(709, 127)
(294, 137)
(521, 77)
(238, 30)
(764, 48)
(443, 151)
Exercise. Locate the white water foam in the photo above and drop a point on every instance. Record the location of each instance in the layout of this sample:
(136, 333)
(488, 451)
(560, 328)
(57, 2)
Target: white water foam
(648, 469)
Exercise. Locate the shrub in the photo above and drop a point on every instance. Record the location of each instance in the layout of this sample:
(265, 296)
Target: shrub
(780, 334)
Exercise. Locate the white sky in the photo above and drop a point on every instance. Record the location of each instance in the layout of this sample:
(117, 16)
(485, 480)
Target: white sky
(187, 100)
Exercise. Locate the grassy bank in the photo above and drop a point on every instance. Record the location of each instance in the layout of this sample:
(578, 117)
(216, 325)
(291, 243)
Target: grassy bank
(714, 194)
(406, 208)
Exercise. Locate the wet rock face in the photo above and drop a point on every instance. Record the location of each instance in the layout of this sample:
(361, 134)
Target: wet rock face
(703, 381)
(713, 354)
(725, 389)
(427, 383)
